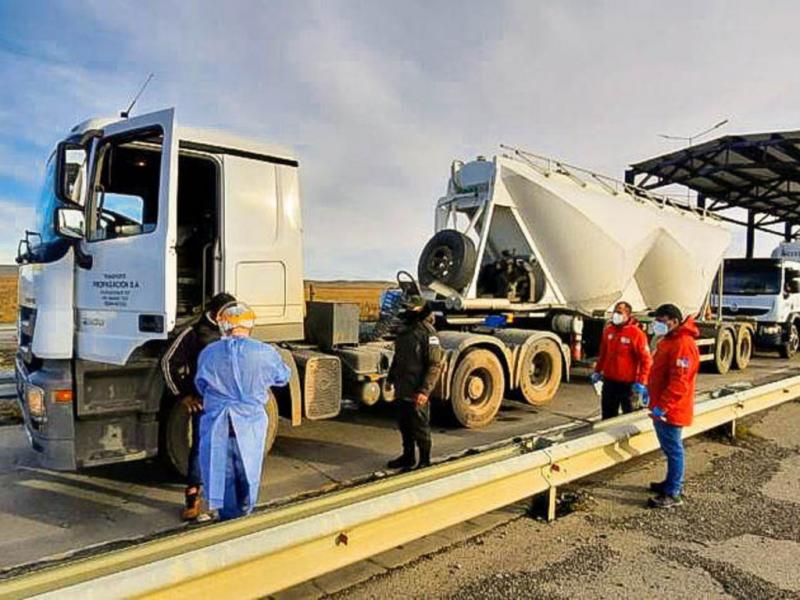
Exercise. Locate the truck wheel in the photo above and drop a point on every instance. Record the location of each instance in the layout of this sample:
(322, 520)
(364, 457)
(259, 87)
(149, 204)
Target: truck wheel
(477, 390)
(387, 391)
(789, 348)
(724, 350)
(177, 434)
(369, 392)
(176, 438)
(744, 349)
(449, 257)
(540, 372)
(272, 422)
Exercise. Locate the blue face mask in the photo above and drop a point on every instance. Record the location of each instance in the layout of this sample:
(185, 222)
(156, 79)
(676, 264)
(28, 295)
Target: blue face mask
(660, 328)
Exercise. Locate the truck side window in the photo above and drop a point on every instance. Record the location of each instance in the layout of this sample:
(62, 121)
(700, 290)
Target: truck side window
(124, 199)
(792, 285)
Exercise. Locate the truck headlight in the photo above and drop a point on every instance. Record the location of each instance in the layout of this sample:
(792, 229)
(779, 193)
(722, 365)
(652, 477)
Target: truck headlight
(34, 399)
(770, 329)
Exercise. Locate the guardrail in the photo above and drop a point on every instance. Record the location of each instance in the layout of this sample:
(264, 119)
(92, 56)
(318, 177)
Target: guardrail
(274, 550)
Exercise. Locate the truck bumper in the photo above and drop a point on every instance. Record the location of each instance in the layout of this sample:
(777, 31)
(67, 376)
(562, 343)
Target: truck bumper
(771, 335)
(50, 428)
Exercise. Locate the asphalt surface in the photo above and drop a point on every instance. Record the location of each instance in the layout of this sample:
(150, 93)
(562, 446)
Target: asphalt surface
(737, 535)
(46, 514)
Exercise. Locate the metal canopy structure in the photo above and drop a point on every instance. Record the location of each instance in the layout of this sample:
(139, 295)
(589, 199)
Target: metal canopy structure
(757, 172)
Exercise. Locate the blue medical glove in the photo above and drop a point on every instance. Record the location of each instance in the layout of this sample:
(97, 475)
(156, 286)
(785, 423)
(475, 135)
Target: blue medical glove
(659, 413)
(641, 390)
(596, 378)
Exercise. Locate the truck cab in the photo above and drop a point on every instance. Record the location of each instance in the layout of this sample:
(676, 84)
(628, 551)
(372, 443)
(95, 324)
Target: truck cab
(140, 223)
(767, 290)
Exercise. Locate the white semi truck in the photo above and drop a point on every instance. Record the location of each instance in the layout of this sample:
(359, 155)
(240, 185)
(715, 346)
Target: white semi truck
(768, 291)
(141, 221)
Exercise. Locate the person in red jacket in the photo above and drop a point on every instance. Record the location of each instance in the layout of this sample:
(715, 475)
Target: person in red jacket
(624, 362)
(672, 382)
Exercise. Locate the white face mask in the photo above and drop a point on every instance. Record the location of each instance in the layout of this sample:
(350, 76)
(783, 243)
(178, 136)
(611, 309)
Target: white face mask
(660, 328)
(617, 318)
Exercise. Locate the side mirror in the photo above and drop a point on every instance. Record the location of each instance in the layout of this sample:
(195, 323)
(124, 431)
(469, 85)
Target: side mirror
(70, 222)
(793, 286)
(70, 171)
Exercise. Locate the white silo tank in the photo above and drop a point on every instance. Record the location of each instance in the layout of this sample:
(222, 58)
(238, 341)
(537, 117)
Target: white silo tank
(598, 244)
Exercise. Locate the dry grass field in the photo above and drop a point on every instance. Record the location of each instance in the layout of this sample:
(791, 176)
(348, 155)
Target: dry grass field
(8, 299)
(364, 293)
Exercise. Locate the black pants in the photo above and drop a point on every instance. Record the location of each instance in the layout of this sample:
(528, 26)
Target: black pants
(616, 395)
(193, 476)
(415, 427)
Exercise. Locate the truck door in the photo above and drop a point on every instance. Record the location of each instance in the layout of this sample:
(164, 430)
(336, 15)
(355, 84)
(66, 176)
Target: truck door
(257, 248)
(125, 285)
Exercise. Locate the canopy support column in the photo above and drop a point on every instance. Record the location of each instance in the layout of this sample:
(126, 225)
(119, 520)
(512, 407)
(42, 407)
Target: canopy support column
(751, 233)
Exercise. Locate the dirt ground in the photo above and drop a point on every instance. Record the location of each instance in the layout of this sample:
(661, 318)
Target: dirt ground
(737, 536)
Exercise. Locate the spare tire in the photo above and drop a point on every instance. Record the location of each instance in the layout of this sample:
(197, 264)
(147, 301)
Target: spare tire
(449, 257)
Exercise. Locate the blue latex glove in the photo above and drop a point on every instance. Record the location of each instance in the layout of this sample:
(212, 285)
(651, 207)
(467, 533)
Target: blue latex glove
(659, 413)
(595, 377)
(641, 390)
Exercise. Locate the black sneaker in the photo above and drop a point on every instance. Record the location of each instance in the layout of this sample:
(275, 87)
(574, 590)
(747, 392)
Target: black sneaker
(657, 486)
(665, 501)
(423, 463)
(401, 462)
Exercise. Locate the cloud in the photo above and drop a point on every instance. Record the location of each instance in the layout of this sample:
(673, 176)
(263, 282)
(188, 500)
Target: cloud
(16, 219)
(379, 97)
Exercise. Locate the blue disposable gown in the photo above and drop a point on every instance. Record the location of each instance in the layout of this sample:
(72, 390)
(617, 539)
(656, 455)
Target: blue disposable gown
(234, 375)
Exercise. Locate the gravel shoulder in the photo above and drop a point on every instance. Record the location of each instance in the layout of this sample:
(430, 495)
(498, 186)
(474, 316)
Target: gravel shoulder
(737, 536)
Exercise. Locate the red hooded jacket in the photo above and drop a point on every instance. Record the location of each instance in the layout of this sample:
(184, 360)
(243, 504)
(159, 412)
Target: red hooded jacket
(624, 354)
(676, 361)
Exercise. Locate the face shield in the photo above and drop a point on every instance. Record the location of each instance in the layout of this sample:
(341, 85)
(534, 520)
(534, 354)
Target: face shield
(236, 317)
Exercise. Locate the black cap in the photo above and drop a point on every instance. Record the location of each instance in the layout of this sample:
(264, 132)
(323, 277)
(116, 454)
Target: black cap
(670, 311)
(217, 302)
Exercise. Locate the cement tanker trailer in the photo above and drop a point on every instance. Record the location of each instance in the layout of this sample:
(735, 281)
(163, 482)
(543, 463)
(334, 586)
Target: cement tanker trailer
(529, 256)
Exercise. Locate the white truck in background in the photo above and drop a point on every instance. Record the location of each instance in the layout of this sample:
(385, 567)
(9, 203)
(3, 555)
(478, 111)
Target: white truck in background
(142, 221)
(767, 290)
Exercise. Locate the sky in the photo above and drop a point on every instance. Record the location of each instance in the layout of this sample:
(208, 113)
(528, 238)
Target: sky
(377, 98)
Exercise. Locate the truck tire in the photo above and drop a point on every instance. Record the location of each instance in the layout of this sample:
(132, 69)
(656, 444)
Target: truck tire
(449, 257)
(177, 434)
(272, 423)
(724, 349)
(789, 348)
(477, 389)
(744, 349)
(387, 391)
(540, 372)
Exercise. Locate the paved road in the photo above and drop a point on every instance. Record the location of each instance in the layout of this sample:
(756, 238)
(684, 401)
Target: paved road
(45, 513)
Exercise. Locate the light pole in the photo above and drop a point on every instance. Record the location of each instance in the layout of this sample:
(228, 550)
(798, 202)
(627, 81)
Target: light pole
(691, 138)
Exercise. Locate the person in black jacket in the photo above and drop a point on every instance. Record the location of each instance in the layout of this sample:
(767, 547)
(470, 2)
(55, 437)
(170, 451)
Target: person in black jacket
(179, 366)
(417, 364)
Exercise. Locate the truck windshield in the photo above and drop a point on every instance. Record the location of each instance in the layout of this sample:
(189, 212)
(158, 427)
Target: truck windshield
(45, 243)
(743, 281)
(46, 205)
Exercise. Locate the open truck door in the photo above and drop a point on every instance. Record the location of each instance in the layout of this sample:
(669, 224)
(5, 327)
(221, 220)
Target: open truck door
(126, 281)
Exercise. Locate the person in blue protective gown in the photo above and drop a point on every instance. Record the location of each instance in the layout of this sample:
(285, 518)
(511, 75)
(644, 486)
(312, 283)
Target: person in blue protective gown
(234, 375)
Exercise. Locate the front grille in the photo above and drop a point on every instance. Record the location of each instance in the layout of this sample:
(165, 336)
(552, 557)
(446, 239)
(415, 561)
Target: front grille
(744, 311)
(322, 383)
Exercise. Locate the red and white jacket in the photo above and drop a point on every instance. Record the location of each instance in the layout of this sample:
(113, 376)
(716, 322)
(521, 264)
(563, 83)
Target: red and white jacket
(676, 361)
(624, 353)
